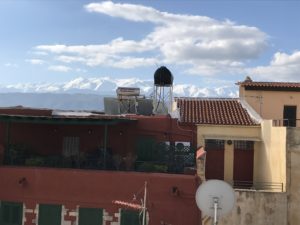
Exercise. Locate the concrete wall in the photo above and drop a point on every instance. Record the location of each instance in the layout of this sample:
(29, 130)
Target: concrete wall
(270, 159)
(293, 175)
(269, 104)
(257, 208)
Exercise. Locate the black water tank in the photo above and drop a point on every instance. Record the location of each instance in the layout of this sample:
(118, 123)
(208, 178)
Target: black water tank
(163, 77)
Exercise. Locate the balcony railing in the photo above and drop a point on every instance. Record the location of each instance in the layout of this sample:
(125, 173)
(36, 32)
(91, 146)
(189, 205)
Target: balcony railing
(258, 186)
(163, 159)
(286, 123)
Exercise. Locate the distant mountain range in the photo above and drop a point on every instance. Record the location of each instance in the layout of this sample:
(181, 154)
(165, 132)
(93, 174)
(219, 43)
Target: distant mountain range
(87, 93)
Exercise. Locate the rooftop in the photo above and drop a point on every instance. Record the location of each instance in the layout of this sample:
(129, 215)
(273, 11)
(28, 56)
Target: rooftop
(271, 86)
(213, 111)
(47, 116)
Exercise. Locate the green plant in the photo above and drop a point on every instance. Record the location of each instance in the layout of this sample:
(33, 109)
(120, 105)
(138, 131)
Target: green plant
(152, 167)
(35, 161)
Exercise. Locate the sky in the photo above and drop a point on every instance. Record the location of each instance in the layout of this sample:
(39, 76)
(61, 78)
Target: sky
(208, 43)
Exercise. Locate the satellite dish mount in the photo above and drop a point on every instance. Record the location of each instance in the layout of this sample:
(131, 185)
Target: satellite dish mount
(215, 198)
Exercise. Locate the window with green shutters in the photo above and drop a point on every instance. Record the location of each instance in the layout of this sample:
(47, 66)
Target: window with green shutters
(11, 213)
(49, 214)
(130, 217)
(90, 216)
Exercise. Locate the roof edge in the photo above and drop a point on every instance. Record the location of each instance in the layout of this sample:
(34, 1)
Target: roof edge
(252, 113)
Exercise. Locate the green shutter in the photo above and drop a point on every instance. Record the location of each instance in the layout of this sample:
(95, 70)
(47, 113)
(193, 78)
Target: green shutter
(11, 213)
(49, 214)
(90, 216)
(130, 217)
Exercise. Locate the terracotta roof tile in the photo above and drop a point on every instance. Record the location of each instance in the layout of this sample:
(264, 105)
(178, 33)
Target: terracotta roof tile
(213, 111)
(269, 84)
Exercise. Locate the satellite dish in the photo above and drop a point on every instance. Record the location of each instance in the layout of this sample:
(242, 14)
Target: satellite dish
(215, 198)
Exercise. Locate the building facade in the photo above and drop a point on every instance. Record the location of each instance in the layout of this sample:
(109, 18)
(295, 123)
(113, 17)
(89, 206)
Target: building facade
(71, 167)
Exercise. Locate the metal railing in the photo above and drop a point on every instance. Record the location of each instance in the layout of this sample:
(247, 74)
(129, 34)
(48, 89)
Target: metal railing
(286, 123)
(258, 186)
(161, 158)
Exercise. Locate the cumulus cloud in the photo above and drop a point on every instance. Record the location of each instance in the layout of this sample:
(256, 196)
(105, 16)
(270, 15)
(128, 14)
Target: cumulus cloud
(205, 45)
(35, 61)
(60, 68)
(282, 67)
(128, 62)
(39, 53)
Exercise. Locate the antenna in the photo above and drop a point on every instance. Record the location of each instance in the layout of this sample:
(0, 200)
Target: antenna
(215, 198)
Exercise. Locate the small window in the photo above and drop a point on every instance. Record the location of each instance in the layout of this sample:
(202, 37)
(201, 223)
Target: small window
(70, 146)
(214, 144)
(244, 145)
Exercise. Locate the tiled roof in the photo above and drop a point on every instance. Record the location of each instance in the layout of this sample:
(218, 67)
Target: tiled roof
(269, 84)
(213, 111)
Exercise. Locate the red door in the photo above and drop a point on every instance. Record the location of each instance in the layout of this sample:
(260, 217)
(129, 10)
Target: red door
(214, 166)
(243, 163)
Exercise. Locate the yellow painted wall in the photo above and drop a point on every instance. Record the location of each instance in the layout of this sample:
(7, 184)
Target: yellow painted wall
(227, 133)
(270, 159)
(269, 149)
(269, 104)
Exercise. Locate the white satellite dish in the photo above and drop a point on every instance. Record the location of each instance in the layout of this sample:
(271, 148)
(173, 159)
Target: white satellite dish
(215, 198)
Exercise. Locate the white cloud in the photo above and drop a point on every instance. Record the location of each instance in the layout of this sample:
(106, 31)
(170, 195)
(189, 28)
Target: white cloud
(13, 65)
(35, 61)
(282, 67)
(206, 45)
(131, 12)
(79, 70)
(128, 62)
(69, 59)
(40, 53)
(108, 85)
(60, 68)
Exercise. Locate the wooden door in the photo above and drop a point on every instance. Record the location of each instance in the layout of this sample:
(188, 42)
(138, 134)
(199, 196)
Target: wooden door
(214, 165)
(243, 163)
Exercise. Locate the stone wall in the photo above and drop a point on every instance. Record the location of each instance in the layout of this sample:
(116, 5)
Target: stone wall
(293, 175)
(257, 208)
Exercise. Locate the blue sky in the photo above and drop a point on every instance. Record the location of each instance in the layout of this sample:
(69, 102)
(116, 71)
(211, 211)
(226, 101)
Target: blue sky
(205, 43)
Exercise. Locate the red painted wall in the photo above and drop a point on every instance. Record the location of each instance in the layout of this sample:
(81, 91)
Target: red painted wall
(26, 111)
(48, 139)
(99, 188)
